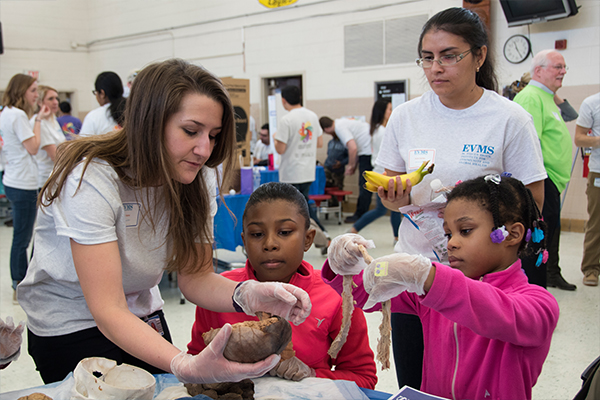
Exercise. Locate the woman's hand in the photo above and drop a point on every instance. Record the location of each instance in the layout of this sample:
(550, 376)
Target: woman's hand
(394, 199)
(209, 366)
(287, 301)
(44, 112)
(388, 276)
(344, 255)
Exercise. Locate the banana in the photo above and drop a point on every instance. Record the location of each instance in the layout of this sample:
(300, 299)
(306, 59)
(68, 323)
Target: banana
(374, 179)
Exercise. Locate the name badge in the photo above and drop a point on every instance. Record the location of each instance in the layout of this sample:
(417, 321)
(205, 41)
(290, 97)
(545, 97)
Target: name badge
(132, 214)
(381, 268)
(155, 323)
(416, 157)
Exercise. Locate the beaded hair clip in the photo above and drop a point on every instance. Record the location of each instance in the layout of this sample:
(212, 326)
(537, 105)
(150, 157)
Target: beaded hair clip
(499, 233)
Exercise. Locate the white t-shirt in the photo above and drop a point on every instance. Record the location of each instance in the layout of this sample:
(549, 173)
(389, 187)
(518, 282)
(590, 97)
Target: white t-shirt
(493, 136)
(50, 133)
(261, 151)
(376, 141)
(589, 117)
(299, 130)
(348, 129)
(103, 210)
(20, 171)
(98, 121)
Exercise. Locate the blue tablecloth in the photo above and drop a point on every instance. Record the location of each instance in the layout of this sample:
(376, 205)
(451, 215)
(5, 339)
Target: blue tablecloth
(228, 228)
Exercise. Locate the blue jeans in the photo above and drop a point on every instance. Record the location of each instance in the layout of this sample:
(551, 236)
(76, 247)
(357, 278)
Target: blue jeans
(377, 212)
(24, 210)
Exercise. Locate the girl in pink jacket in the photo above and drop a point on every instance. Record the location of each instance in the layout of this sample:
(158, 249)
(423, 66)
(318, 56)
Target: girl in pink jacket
(487, 331)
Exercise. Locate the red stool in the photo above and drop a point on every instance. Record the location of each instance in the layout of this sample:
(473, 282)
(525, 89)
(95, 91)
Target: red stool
(340, 195)
(318, 198)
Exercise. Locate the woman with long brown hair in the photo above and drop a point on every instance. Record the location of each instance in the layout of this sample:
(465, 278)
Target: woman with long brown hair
(119, 210)
(21, 144)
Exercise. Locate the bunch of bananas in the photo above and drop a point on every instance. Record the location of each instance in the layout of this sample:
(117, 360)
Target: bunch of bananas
(374, 179)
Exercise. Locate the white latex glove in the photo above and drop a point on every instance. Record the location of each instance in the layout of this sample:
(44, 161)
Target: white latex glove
(344, 256)
(293, 369)
(282, 299)
(10, 340)
(388, 276)
(209, 366)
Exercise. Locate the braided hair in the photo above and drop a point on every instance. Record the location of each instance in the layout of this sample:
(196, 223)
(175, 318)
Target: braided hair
(509, 201)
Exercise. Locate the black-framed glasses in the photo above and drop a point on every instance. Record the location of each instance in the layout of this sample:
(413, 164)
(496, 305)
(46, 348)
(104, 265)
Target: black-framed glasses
(444, 61)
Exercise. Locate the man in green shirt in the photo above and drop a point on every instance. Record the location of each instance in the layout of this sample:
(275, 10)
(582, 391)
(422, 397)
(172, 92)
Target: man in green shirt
(538, 98)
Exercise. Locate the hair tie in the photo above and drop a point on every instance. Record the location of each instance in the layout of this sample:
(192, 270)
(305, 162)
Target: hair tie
(499, 234)
(494, 178)
(542, 258)
(528, 236)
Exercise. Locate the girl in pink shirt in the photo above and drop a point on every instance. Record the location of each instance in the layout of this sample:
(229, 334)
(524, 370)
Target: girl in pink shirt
(487, 331)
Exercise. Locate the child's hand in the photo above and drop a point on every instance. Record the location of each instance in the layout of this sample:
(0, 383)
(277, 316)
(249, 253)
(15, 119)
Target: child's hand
(293, 369)
(287, 301)
(386, 277)
(209, 366)
(344, 255)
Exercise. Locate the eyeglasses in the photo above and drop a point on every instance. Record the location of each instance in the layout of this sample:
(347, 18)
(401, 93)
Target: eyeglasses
(444, 61)
(559, 67)
(94, 92)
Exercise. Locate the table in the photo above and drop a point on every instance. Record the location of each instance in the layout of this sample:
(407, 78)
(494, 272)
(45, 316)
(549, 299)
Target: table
(228, 228)
(62, 389)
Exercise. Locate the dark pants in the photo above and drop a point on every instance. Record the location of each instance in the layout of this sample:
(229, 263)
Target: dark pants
(24, 211)
(407, 340)
(551, 214)
(56, 356)
(364, 196)
(304, 189)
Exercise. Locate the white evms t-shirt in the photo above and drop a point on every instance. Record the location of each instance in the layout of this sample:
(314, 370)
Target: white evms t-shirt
(101, 210)
(493, 136)
(20, 170)
(589, 117)
(347, 129)
(50, 133)
(98, 122)
(299, 130)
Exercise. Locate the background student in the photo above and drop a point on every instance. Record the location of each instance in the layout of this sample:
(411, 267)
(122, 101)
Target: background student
(20, 179)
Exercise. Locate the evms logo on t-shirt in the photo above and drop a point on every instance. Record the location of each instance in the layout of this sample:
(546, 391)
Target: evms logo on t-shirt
(306, 131)
(477, 155)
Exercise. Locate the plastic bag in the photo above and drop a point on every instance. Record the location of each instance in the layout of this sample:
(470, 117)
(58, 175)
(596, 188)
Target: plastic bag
(422, 231)
(101, 378)
(306, 389)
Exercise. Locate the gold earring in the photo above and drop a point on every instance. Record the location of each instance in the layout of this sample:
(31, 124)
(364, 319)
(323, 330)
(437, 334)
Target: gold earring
(477, 69)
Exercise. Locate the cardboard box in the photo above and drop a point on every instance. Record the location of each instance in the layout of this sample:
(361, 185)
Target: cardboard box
(239, 92)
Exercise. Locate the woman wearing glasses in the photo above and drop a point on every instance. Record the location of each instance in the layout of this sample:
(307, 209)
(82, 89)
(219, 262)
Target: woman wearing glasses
(465, 128)
(107, 117)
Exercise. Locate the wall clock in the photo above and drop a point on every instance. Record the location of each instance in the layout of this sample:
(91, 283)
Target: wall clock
(517, 49)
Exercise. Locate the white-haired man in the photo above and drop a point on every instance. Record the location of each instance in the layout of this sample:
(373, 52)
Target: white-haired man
(539, 98)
